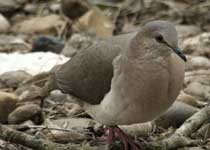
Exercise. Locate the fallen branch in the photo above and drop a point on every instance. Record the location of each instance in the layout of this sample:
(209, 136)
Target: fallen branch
(194, 122)
(180, 137)
(29, 141)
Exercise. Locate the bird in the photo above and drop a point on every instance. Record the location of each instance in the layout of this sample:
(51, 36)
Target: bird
(126, 79)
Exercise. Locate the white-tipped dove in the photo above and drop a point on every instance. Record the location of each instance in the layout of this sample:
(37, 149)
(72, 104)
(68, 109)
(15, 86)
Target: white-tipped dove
(126, 79)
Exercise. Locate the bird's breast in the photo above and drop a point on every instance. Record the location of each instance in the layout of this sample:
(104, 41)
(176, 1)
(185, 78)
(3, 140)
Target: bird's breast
(135, 97)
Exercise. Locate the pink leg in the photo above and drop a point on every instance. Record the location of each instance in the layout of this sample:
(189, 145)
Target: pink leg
(111, 135)
(114, 132)
(126, 140)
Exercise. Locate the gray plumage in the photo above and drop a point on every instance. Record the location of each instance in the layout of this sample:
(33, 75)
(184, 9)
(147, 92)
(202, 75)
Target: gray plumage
(88, 74)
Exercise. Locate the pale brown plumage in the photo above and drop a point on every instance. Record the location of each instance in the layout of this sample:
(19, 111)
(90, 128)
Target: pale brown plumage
(129, 78)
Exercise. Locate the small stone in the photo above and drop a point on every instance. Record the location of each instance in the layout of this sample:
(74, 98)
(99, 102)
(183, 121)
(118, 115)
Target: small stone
(185, 31)
(7, 105)
(13, 79)
(176, 115)
(198, 89)
(26, 112)
(31, 8)
(57, 96)
(55, 7)
(95, 22)
(47, 44)
(4, 24)
(10, 43)
(75, 123)
(68, 8)
(43, 24)
(190, 100)
(201, 75)
(197, 45)
(73, 109)
(197, 62)
(8, 7)
(77, 42)
(29, 93)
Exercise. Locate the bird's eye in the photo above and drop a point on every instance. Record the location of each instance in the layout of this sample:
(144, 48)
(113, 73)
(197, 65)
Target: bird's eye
(159, 38)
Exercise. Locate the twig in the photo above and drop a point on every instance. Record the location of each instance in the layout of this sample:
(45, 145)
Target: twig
(180, 137)
(194, 122)
(53, 128)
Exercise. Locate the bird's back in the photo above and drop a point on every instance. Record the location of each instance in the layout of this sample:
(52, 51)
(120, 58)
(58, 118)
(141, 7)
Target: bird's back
(88, 74)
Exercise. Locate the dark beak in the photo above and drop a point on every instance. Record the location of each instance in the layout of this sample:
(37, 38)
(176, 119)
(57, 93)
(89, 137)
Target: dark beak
(180, 54)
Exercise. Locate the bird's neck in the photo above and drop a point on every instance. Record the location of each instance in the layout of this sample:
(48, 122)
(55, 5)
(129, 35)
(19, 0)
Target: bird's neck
(136, 62)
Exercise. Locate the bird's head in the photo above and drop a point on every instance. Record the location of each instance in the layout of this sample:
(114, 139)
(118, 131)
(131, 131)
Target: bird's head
(159, 37)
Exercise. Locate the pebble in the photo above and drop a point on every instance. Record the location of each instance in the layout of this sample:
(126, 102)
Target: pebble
(77, 42)
(7, 105)
(13, 79)
(197, 62)
(41, 24)
(4, 24)
(68, 8)
(26, 112)
(47, 44)
(198, 89)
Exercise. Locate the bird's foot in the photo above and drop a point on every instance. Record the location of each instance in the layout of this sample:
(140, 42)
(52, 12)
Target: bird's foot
(115, 132)
(111, 135)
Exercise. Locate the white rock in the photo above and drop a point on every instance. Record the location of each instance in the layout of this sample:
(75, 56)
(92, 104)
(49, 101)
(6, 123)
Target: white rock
(198, 62)
(198, 45)
(32, 63)
(185, 31)
(198, 89)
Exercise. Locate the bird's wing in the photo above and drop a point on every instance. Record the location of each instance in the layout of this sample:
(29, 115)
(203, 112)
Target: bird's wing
(88, 74)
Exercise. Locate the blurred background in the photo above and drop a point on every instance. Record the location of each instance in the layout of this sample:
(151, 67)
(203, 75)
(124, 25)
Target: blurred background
(36, 35)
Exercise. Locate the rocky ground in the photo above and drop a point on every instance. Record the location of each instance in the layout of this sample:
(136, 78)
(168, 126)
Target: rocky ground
(36, 35)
